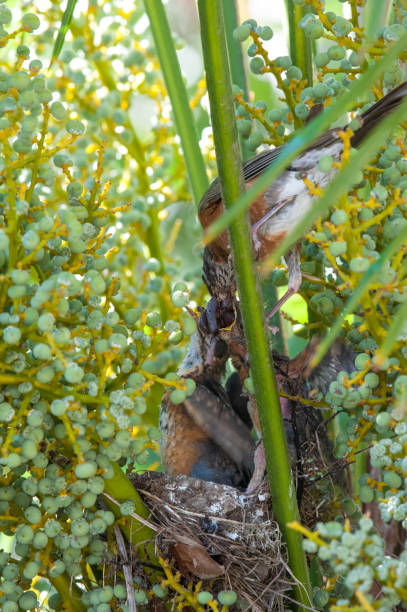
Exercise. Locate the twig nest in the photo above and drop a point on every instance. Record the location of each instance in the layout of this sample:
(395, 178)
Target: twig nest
(214, 531)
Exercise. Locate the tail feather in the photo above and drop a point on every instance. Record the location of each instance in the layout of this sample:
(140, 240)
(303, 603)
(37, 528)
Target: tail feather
(378, 111)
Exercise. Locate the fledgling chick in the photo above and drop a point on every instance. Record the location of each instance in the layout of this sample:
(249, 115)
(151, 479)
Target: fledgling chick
(204, 437)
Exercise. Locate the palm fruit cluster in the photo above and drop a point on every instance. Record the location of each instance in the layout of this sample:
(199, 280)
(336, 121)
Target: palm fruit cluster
(92, 318)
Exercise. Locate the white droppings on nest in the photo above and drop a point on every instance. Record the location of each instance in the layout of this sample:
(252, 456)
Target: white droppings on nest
(225, 526)
(215, 508)
(231, 535)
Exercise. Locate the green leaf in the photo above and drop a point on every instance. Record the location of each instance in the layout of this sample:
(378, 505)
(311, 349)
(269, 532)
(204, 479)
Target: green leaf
(393, 333)
(300, 45)
(375, 16)
(65, 23)
(174, 83)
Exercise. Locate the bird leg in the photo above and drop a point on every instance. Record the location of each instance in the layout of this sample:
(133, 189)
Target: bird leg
(294, 279)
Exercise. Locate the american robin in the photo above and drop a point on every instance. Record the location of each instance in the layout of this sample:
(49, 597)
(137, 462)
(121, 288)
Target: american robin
(284, 203)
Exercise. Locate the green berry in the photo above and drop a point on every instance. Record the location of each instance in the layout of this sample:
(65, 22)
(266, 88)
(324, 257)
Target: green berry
(180, 298)
(325, 163)
(153, 319)
(60, 160)
(46, 322)
(342, 27)
(400, 386)
(188, 326)
(392, 479)
(359, 264)
(321, 59)
(284, 62)
(21, 81)
(294, 73)
(256, 139)
(33, 514)
(31, 22)
(257, 65)
(336, 53)
(227, 598)
(244, 127)
(361, 361)
(338, 248)
(11, 335)
(320, 598)
(339, 217)
(241, 33)
(372, 380)
(5, 15)
(275, 115)
(266, 33)
(86, 470)
(30, 240)
(320, 90)
(301, 110)
(73, 373)
(58, 407)
(42, 351)
(177, 396)
(74, 127)
(58, 111)
(383, 419)
(190, 386)
(28, 601)
(366, 494)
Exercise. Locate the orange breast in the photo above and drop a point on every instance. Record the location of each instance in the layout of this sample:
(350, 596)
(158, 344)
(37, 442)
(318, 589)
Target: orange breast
(181, 440)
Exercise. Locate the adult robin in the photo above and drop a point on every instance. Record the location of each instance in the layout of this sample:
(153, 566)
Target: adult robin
(285, 202)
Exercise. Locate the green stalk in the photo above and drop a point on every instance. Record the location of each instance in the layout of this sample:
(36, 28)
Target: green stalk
(63, 28)
(300, 45)
(375, 15)
(305, 136)
(359, 468)
(69, 592)
(229, 165)
(236, 62)
(239, 78)
(174, 83)
(395, 330)
(120, 488)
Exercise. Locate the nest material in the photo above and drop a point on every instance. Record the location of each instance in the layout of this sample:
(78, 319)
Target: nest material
(216, 533)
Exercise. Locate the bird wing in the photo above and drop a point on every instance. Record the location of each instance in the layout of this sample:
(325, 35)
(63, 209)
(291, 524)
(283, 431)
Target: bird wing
(258, 164)
(251, 170)
(217, 418)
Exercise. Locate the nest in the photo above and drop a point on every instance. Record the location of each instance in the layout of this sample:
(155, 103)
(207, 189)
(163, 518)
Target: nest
(219, 535)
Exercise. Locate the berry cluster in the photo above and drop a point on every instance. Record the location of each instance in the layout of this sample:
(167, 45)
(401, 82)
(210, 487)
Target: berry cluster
(91, 328)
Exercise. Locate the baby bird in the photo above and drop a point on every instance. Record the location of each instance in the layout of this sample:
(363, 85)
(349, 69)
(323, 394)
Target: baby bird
(204, 437)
